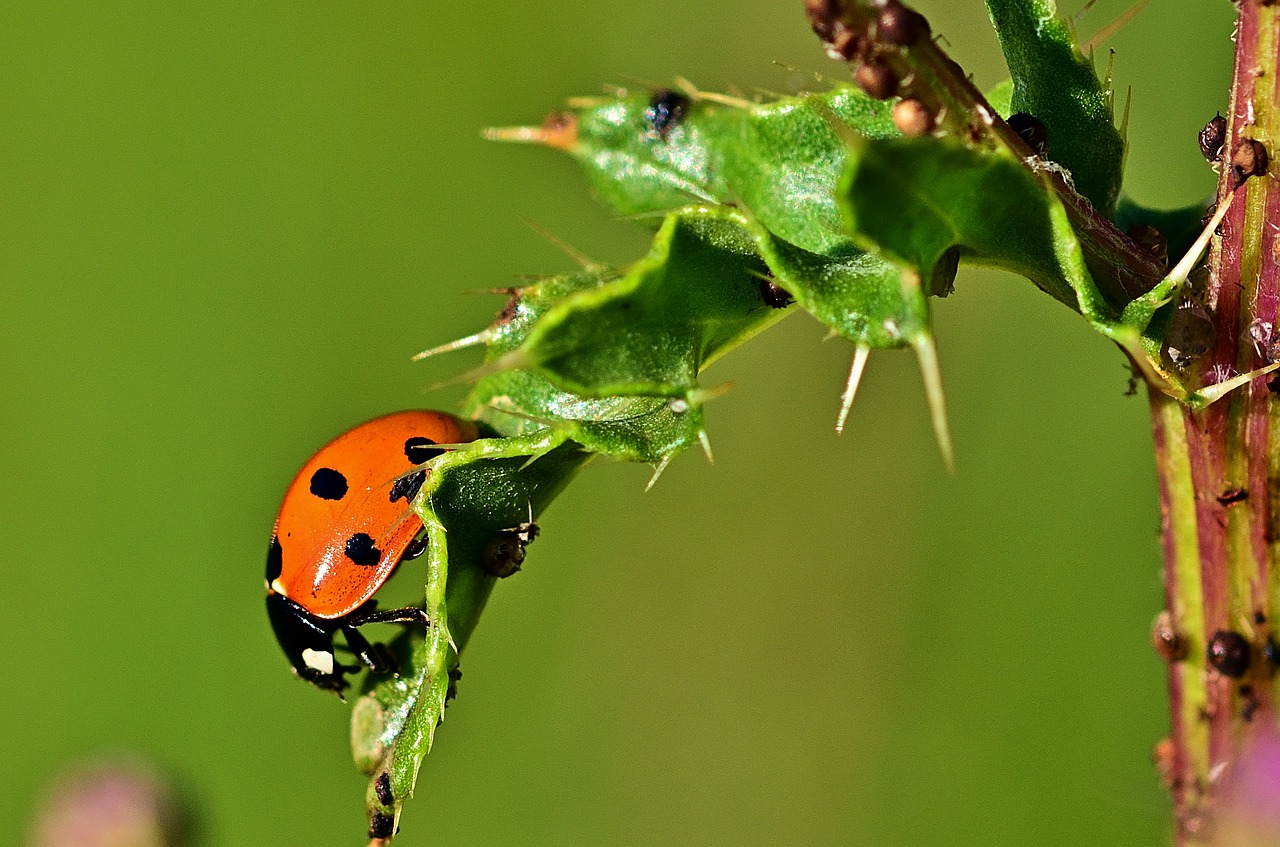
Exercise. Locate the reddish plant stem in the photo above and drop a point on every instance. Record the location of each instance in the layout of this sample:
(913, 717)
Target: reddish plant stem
(1218, 467)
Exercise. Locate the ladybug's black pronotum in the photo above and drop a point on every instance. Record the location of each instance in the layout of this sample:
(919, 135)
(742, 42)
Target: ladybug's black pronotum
(774, 295)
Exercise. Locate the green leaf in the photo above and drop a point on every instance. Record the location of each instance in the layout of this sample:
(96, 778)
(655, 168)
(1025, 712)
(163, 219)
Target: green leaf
(472, 497)
(1055, 82)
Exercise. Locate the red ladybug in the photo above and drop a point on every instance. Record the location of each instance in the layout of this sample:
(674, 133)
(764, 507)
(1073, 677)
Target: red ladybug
(345, 524)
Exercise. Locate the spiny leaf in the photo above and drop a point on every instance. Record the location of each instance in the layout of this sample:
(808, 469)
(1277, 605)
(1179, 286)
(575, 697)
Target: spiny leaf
(1056, 83)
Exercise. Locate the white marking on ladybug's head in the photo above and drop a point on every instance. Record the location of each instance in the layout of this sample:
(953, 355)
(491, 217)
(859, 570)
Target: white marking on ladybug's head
(318, 660)
(278, 588)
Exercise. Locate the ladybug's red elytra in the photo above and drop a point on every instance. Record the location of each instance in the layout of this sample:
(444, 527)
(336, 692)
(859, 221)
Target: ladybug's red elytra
(345, 524)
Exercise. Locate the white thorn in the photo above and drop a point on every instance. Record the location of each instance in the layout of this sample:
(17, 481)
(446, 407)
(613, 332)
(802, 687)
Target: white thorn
(657, 471)
(1211, 394)
(470, 341)
(927, 355)
(860, 355)
(1183, 269)
(706, 446)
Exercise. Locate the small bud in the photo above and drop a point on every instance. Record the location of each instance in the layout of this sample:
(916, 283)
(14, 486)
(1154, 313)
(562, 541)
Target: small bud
(1032, 131)
(899, 26)
(844, 44)
(1151, 240)
(1212, 137)
(822, 16)
(912, 118)
(876, 79)
(1229, 653)
(1249, 159)
(1169, 643)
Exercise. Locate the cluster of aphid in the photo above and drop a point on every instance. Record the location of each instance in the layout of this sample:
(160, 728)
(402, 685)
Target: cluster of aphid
(1192, 333)
(1228, 653)
(894, 27)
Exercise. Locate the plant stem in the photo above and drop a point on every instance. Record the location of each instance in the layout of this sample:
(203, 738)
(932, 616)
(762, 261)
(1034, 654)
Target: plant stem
(1217, 466)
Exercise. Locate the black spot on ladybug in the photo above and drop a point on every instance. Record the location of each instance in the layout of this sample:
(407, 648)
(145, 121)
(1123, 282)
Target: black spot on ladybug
(420, 449)
(382, 787)
(1229, 653)
(328, 484)
(1212, 137)
(1232, 496)
(407, 487)
(275, 560)
(1031, 130)
(666, 109)
(381, 826)
(360, 550)
(774, 295)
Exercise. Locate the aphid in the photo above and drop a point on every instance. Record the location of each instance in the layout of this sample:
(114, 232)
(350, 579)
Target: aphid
(912, 118)
(504, 554)
(1212, 137)
(1031, 130)
(899, 26)
(1264, 339)
(1228, 653)
(1249, 159)
(1168, 642)
(774, 295)
(666, 109)
(876, 79)
(1191, 334)
(382, 826)
(382, 788)
(1232, 496)
(1150, 239)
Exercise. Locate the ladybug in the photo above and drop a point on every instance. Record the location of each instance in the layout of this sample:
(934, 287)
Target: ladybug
(346, 522)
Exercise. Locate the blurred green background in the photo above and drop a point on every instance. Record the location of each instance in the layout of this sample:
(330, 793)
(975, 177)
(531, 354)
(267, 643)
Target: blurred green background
(225, 228)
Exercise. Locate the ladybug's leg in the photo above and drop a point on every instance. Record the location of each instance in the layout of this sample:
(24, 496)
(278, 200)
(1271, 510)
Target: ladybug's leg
(415, 549)
(409, 614)
(375, 656)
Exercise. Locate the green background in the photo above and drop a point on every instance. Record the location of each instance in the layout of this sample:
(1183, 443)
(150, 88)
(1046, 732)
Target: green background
(225, 227)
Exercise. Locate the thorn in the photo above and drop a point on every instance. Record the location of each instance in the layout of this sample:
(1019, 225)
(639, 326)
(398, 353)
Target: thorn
(706, 446)
(480, 337)
(691, 91)
(1124, 120)
(559, 130)
(657, 471)
(702, 396)
(860, 355)
(1211, 394)
(1115, 26)
(573, 253)
(927, 355)
(1183, 269)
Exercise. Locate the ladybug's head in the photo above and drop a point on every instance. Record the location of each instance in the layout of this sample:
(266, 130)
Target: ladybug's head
(307, 642)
